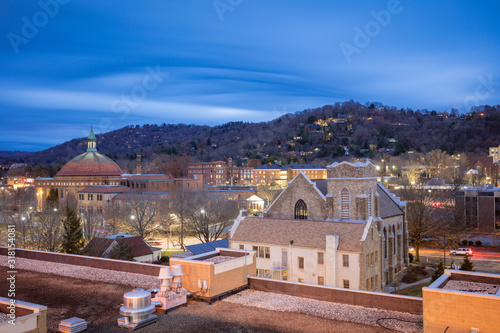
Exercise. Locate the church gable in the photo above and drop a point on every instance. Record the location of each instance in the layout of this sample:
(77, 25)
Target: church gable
(301, 199)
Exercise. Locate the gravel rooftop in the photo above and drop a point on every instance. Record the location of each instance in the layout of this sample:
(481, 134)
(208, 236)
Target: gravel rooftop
(356, 314)
(88, 273)
(473, 287)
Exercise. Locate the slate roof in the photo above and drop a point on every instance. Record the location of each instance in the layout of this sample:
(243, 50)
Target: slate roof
(208, 247)
(98, 246)
(90, 164)
(321, 184)
(304, 233)
(388, 207)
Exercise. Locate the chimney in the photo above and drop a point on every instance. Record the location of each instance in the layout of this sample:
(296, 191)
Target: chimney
(138, 166)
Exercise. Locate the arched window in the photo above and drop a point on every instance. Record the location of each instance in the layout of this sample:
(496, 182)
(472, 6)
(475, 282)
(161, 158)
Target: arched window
(344, 204)
(300, 210)
(370, 205)
(385, 243)
(395, 238)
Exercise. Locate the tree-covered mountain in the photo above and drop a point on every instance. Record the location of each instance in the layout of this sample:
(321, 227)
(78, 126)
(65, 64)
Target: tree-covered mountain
(324, 133)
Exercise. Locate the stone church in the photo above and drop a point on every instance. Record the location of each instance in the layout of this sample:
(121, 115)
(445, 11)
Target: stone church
(345, 231)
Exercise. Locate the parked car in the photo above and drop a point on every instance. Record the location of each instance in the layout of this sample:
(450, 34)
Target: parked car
(153, 241)
(463, 251)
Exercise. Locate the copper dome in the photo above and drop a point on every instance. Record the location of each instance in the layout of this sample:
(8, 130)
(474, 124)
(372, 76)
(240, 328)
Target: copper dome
(90, 163)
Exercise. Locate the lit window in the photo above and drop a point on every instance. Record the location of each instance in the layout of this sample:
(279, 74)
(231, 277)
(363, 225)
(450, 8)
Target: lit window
(346, 284)
(301, 280)
(321, 280)
(300, 210)
(301, 262)
(242, 247)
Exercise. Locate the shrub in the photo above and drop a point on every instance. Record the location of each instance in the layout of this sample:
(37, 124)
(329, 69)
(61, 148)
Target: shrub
(464, 242)
(479, 243)
(410, 276)
(410, 255)
(165, 259)
(471, 242)
(439, 271)
(466, 265)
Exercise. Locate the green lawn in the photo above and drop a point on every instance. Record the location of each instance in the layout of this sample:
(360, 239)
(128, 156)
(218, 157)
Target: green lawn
(169, 252)
(413, 291)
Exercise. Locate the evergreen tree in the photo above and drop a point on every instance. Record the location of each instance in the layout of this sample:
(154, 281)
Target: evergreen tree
(121, 251)
(73, 236)
(439, 271)
(466, 265)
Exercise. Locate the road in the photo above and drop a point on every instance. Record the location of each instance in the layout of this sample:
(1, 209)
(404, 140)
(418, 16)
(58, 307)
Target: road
(488, 262)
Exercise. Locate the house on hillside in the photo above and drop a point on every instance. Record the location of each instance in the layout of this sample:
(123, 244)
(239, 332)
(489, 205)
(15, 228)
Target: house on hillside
(141, 251)
(345, 231)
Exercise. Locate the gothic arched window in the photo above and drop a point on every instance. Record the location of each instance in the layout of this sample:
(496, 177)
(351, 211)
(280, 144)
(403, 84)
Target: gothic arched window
(385, 243)
(300, 210)
(344, 204)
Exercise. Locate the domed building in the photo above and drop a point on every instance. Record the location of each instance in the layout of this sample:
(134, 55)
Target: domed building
(88, 169)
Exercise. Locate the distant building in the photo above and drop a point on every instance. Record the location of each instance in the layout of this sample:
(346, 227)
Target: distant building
(495, 154)
(90, 177)
(219, 173)
(480, 208)
(345, 231)
(281, 174)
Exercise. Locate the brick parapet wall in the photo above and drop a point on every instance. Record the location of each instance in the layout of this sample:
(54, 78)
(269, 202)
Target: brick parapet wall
(95, 262)
(339, 295)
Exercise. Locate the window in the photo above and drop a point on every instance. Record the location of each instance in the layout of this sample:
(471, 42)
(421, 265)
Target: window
(395, 238)
(301, 280)
(262, 252)
(301, 262)
(345, 260)
(81, 196)
(344, 204)
(99, 210)
(376, 257)
(367, 284)
(90, 209)
(62, 193)
(370, 209)
(385, 243)
(371, 261)
(263, 273)
(376, 281)
(99, 197)
(321, 258)
(300, 210)
(321, 280)
(242, 247)
(371, 282)
(91, 197)
(367, 260)
(346, 284)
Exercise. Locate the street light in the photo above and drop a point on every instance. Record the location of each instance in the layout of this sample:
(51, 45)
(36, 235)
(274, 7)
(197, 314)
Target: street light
(132, 217)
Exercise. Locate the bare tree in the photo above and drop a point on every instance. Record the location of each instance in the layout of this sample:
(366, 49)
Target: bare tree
(143, 213)
(210, 217)
(49, 230)
(430, 216)
(181, 203)
(90, 223)
(267, 193)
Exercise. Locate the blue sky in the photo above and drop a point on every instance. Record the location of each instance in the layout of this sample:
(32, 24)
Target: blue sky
(66, 64)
